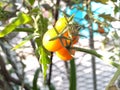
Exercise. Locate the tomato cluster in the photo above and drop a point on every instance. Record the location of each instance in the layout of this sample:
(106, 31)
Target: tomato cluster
(60, 39)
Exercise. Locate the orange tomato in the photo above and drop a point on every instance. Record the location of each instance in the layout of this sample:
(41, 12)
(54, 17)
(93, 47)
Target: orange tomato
(101, 30)
(56, 44)
(65, 54)
(75, 39)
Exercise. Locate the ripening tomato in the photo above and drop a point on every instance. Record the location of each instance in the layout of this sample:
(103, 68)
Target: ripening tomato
(61, 23)
(75, 39)
(101, 30)
(56, 44)
(65, 54)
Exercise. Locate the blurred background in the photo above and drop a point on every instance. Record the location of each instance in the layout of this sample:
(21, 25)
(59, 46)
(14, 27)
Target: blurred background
(99, 22)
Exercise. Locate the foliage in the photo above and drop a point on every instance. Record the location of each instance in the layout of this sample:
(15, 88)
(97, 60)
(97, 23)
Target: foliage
(35, 21)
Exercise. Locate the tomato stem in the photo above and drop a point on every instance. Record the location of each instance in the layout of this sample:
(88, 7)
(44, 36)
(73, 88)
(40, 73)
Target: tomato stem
(114, 78)
(72, 75)
(93, 52)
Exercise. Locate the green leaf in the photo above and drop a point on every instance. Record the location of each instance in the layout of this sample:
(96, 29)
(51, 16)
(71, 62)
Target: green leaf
(35, 87)
(26, 39)
(72, 75)
(108, 17)
(31, 1)
(29, 30)
(22, 18)
(102, 1)
(114, 0)
(115, 35)
(51, 87)
(44, 60)
(5, 15)
(117, 9)
(42, 24)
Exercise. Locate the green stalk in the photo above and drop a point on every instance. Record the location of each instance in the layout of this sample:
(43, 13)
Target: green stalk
(114, 78)
(93, 52)
(72, 75)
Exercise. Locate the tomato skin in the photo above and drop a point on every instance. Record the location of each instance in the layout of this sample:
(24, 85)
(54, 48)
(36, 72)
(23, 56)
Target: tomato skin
(51, 45)
(61, 23)
(65, 54)
(56, 44)
(101, 30)
(75, 39)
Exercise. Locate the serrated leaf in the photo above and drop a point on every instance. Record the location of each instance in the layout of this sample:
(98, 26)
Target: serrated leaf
(108, 17)
(102, 1)
(35, 87)
(27, 38)
(22, 18)
(31, 1)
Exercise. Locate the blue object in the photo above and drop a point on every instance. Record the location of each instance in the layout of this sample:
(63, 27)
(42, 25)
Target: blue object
(97, 8)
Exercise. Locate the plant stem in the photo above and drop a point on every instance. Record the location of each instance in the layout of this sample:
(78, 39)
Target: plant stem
(114, 78)
(72, 75)
(50, 70)
(93, 52)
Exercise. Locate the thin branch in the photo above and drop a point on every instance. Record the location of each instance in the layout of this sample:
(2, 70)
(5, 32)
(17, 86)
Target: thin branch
(50, 68)
(11, 57)
(7, 76)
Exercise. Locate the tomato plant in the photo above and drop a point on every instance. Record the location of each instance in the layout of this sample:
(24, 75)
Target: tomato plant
(60, 39)
(56, 44)
(55, 39)
(65, 54)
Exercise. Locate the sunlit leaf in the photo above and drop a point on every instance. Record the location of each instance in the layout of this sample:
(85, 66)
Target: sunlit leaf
(107, 17)
(35, 87)
(22, 18)
(26, 39)
(44, 60)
